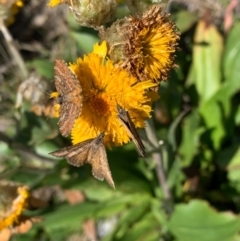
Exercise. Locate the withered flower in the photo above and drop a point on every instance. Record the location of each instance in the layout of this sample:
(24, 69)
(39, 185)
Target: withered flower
(144, 46)
(14, 200)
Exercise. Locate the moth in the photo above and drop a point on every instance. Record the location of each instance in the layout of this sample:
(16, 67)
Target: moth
(126, 121)
(70, 98)
(91, 151)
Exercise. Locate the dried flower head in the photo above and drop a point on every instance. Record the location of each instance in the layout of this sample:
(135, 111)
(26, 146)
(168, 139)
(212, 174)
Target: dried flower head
(8, 10)
(14, 199)
(92, 13)
(144, 46)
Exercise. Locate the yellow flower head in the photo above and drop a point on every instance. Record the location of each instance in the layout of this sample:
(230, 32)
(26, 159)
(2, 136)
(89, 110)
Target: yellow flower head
(9, 9)
(103, 88)
(144, 46)
(54, 3)
(13, 201)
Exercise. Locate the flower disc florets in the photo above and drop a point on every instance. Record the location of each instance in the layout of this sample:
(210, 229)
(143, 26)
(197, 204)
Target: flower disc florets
(145, 45)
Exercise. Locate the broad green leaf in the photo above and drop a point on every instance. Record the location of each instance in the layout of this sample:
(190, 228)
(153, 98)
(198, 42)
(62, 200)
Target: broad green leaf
(184, 20)
(191, 132)
(214, 111)
(231, 59)
(68, 217)
(198, 221)
(207, 51)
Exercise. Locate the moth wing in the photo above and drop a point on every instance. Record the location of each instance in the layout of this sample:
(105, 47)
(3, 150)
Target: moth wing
(66, 151)
(76, 155)
(65, 80)
(100, 167)
(136, 138)
(67, 116)
(80, 158)
(132, 132)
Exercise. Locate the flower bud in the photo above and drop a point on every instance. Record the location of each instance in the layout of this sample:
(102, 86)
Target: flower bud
(92, 13)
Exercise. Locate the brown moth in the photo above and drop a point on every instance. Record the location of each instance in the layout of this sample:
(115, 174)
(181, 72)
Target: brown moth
(70, 98)
(126, 121)
(91, 151)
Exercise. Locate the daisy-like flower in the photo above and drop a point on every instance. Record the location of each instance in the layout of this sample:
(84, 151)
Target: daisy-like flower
(13, 200)
(103, 88)
(54, 3)
(144, 46)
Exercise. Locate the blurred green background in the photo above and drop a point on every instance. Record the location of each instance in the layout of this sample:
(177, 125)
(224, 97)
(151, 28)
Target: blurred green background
(197, 122)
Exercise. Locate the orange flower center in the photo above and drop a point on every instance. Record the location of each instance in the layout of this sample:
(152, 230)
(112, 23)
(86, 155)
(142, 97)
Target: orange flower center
(99, 105)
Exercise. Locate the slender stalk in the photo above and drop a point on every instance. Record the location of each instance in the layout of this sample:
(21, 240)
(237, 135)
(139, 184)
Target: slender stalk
(17, 58)
(157, 157)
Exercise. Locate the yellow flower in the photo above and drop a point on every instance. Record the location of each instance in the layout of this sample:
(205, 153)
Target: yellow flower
(14, 206)
(54, 3)
(9, 9)
(103, 87)
(145, 45)
(55, 95)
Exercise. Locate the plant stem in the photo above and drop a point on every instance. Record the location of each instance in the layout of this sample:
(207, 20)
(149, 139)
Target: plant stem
(157, 157)
(17, 58)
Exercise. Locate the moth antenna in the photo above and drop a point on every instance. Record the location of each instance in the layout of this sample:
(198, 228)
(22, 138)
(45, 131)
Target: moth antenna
(45, 92)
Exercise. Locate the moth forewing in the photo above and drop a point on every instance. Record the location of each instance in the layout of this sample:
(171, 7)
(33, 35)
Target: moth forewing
(70, 99)
(126, 121)
(100, 167)
(90, 151)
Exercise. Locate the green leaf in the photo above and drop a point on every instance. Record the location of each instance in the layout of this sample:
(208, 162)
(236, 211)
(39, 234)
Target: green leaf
(199, 222)
(85, 41)
(237, 116)
(184, 20)
(43, 67)
(173, 129)
(130, 217)
(68, 217)
(226, 155)
(207, 53)
(146, 229)
(118, 204)
(214, 111)
(232, 58)
(234, 167)
(190, 139)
